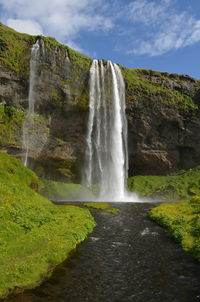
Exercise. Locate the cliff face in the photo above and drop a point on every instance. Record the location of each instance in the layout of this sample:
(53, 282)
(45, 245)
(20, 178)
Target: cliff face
(162, 110)
(163, 117)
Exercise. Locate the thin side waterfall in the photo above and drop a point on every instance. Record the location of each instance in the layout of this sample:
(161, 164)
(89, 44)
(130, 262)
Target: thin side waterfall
(106, 163)
(28, 125)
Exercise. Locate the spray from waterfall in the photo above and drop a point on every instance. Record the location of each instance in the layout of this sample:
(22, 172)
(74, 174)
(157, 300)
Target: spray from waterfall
(28, 125)
(106, 163)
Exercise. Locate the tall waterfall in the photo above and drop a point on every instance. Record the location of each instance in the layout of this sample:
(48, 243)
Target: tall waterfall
(28, 125)
(106, 153)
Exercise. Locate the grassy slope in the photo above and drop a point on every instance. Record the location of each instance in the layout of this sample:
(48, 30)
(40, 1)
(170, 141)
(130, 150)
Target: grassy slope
(55, 190)
(15, 50)
(11, 120)
(141, 85)
(182, 184)
(35, 235)
(182, 219)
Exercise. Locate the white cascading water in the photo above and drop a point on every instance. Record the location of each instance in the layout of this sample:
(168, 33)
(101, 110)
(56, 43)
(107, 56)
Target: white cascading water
(106, 154)
(29, 119)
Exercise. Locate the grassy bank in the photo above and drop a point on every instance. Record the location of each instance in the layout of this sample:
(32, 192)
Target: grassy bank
(180, 185)
(104, 206)
(55, 190)
(35, 235)
(182, 219)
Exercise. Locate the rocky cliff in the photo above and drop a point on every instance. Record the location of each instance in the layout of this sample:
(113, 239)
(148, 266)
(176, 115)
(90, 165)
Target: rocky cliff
(162, 110)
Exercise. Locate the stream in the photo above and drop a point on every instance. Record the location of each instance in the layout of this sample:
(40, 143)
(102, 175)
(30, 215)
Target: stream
(127, 258)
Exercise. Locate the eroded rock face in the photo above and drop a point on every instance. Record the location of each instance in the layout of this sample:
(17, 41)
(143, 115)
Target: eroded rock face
(61, 104)
(162, 139)
(162, 112)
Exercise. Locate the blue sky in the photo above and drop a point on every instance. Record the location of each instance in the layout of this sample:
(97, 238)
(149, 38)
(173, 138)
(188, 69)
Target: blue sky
(156, 34)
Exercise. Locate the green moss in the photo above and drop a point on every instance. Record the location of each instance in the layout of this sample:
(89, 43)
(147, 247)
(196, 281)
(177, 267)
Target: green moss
(63, 191)
(142, 86)
(15, 50)
(78, 59)
(180, 185)
(54, 95)
(64, 170)
(105, 206)
(182, 219)
(113, 211)
(11, 120)
(97, 205)
(35, 235)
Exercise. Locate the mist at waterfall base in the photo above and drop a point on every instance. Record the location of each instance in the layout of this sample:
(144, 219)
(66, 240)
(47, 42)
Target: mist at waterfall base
(106, 158)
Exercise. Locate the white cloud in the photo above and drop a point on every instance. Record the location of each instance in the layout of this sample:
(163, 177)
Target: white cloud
(25, 26)
(149, 27)
(164, 29)
(64, 19)
(146, 12)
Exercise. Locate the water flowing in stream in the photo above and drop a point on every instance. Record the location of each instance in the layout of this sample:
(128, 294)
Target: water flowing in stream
(127, 258)
(28, 125)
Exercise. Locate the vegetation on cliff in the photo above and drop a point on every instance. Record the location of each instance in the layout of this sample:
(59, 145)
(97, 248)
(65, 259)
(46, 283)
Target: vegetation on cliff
(182, 184)
(11, 120)
(35, 235)
(59, 191)
(15, 50)
(140, 83)
(182, 220)
(156, 87)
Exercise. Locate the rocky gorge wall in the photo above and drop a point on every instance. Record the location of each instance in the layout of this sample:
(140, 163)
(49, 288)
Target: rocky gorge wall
(162, 110)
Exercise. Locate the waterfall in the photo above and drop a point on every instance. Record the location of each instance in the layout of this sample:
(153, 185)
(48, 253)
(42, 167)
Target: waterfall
(28, 125)
(106, 161)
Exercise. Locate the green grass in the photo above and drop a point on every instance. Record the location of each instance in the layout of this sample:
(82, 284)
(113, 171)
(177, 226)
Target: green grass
(14, 50)
(182, 184)
(105, 206)
(55, 190)
(182, 220)
(140, 87)
(35, 235)
(11, 120)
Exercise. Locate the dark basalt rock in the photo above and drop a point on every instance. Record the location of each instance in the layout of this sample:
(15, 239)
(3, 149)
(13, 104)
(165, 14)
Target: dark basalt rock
(163, 140)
